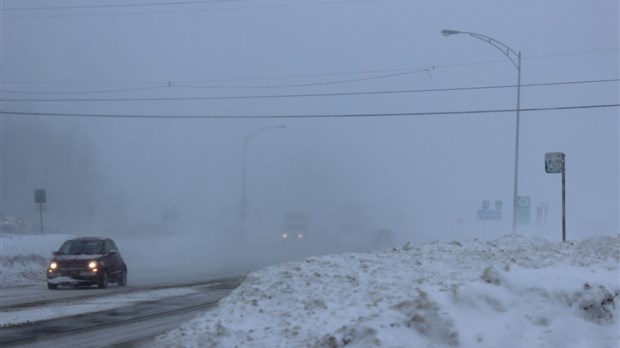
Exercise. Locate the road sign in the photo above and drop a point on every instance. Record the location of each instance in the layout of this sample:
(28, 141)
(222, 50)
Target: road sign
(487, 214)
(498, 215)
(499, 205)
(554, 162)
(39, 196)
(523, 210)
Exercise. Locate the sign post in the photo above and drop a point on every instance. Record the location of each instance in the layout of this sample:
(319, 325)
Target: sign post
(555, 163)
(39, 198)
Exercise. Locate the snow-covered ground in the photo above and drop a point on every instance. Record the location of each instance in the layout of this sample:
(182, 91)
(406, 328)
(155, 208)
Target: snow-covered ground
(24, 258)
(515, 291)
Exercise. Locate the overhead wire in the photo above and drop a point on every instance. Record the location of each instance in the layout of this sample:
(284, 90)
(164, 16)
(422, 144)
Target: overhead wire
(89, 92)
(184, 85)
(427, 70)
(190, 84)
(309, 116)
(142, 4)
(306, 95)
(220, 9)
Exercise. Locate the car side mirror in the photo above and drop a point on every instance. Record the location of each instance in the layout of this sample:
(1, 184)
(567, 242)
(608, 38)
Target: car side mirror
(112, 252)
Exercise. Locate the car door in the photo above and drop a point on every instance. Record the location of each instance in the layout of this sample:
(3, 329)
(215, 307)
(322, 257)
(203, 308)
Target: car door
(112, 258)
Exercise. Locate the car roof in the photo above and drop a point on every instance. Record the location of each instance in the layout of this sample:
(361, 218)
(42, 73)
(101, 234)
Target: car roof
(90, 238)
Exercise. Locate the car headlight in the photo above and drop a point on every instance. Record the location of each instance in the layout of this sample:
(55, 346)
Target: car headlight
(92, 264)
(53, 265)
(300, 236)
(284, 235)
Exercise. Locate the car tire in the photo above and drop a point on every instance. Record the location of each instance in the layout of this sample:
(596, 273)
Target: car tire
(103, 282)
(122, 281)
(51, 286)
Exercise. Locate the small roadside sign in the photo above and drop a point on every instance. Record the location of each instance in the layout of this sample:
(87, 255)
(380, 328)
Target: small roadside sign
(554, 162)
(39, 196)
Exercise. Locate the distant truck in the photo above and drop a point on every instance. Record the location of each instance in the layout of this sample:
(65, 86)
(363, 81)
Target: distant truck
(294, 226)
(12, 224)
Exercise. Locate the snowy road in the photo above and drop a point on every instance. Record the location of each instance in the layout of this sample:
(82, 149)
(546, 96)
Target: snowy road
(33, 318)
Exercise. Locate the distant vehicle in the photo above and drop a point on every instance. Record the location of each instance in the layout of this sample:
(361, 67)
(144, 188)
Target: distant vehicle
(13, 225)
(294, 226)
(87, 261)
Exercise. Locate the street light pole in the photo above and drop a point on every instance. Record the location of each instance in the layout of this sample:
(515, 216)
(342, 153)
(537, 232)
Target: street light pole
(246, 140)
(515, 58)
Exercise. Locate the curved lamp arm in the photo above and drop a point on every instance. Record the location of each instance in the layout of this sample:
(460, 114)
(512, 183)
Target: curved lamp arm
(514, 56)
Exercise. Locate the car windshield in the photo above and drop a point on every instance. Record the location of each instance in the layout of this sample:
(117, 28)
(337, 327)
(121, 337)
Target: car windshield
(77, 247)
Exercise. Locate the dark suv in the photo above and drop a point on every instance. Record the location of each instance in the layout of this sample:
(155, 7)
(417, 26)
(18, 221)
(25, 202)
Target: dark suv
(87, 261)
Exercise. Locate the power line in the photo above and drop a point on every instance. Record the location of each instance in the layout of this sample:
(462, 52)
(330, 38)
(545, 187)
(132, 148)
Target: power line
(367, 115)
(221, 9)
(91, 92)
(335, 94)
(154, 4)
(571, 53)
(161, 85)
(427, 70)
(324, 83)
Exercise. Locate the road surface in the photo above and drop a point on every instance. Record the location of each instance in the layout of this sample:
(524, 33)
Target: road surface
(127, 325)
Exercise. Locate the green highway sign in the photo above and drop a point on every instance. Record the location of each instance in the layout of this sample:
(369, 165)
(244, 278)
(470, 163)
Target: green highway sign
(523, 210)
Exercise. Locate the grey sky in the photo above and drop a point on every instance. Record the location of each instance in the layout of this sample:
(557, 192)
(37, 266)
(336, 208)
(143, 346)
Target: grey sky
(422, 176)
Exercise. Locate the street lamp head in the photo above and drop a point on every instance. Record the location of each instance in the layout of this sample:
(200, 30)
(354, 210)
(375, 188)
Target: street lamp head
(447, 32)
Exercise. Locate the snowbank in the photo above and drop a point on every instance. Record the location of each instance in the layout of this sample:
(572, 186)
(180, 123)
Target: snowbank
(514, 292)
(24, 258)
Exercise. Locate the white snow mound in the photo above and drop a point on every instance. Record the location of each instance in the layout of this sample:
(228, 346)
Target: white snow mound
(24, 258)
(515, 292)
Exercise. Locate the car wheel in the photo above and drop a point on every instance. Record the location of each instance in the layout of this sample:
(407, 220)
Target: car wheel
(122, 281)
(52, 286)
(103, 282)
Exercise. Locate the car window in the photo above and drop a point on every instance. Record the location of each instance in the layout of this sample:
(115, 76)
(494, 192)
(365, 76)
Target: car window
(77, 247)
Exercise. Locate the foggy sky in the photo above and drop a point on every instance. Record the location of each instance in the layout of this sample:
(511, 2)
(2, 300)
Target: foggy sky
(424, 177)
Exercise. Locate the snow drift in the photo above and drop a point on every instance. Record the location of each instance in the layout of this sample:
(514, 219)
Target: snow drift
(24, 258)
(515, 292)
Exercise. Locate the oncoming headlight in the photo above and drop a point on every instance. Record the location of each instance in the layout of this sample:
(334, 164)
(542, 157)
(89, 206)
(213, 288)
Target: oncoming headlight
(92, 264)
(53, 265)
(284, 235)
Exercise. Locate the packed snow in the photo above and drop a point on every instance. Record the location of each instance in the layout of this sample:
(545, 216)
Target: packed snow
(88, 305)
(515, 291)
